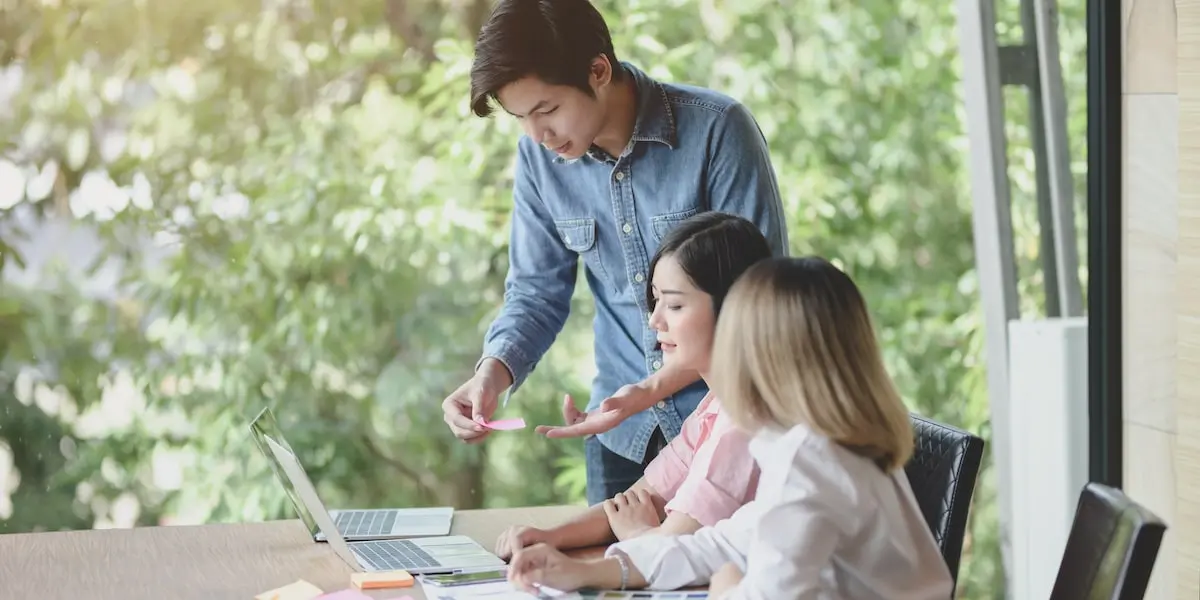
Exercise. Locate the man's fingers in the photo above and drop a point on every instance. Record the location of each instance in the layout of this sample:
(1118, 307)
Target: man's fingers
(568, 431)
(480, 409)
(611, 404)
(569, 412)
(465, 429)
(457, 414)
(595, 423)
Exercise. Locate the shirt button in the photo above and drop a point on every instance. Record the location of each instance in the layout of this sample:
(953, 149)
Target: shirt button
(661, 404)
(639, 278)
(627, 228)
(620, 175)
(657, 364)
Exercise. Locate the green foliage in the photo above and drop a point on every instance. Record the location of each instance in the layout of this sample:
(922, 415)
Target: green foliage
(308, 218)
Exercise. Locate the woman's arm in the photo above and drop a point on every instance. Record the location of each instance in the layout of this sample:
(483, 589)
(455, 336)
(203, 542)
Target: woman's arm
(676, 523)
(635, 522)
(672, 562)
(591, 528)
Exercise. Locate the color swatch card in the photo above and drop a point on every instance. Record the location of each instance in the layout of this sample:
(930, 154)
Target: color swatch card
(354, 594)
(495, 590)
(642, 595)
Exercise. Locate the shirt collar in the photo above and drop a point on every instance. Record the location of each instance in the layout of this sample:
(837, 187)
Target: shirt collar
(655, 120)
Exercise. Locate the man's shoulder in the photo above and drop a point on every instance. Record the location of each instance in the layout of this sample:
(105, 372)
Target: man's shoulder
(700, 112)
(686, 96)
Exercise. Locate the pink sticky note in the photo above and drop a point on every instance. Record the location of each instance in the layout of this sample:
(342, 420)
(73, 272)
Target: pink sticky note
(506, 424)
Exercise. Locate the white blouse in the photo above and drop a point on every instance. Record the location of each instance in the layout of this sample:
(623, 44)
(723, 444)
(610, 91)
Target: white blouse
(826, 524)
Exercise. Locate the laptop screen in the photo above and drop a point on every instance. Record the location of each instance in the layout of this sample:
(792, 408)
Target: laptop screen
(264, 426)
(308, 497)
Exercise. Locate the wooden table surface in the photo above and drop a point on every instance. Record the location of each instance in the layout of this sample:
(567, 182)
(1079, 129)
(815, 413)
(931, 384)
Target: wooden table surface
(207, 561)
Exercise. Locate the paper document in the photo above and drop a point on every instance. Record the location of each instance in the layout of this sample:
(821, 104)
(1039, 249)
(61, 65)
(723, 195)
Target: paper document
(495, 590)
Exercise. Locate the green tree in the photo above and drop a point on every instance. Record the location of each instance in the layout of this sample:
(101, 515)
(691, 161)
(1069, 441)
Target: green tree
(305, 216)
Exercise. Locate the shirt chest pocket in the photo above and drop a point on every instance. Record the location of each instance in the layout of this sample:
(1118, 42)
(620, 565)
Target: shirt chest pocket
(579, 236)
(663, 224)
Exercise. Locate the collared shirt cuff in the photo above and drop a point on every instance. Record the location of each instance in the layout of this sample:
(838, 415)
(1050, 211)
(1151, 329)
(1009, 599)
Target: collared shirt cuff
(511, 357)
(647, 554)
(666, 472)
(643, 554)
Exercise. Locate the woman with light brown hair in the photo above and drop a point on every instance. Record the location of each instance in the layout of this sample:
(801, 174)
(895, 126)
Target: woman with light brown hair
(796, 363)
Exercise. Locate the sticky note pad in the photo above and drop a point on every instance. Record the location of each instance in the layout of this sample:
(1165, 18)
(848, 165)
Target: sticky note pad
(506, 424)
(381, 580)
(300, 590)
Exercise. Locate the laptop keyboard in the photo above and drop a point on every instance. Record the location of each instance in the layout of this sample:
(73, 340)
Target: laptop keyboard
(394, 554)
(366, 522)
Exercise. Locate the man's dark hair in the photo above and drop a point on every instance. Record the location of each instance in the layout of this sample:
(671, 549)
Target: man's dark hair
(553, 40)
(713, 249)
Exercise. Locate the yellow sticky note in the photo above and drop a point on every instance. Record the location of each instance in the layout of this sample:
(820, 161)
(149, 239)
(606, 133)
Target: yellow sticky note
(381, 580)
(300, 590)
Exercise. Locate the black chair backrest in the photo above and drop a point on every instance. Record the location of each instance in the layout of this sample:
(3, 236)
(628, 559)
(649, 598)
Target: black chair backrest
(942, 472)
(1111, 550)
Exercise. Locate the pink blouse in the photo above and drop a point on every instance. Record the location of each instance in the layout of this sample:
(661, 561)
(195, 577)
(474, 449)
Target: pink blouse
(707, 471)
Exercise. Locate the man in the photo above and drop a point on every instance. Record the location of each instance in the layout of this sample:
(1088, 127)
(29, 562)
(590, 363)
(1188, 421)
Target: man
(611, 160)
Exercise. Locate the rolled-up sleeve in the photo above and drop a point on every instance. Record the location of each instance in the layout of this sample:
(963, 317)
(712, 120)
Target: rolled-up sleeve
(722, 477)
(666, 473)
(541, 278)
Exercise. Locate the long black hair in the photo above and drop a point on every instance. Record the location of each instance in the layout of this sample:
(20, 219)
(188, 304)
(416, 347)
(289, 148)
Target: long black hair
(713, 249)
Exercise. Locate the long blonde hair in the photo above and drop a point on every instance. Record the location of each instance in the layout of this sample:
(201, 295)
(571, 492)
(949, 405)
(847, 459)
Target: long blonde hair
(794, 345)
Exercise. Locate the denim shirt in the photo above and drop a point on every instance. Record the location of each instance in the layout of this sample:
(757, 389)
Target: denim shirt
(692, 150)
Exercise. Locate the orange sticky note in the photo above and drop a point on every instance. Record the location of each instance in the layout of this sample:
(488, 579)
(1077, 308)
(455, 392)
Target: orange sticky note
(300, 590)
(381, 580)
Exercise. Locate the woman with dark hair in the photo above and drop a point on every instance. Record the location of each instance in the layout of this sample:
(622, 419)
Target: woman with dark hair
(706, 473)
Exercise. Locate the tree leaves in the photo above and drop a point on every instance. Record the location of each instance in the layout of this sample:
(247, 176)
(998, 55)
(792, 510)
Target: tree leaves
(313, 221)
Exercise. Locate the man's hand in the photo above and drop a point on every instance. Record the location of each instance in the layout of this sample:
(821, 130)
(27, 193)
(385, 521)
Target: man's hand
(517, 537)
(724, 580)
(475, 401)
(631, 513)
(626, 402)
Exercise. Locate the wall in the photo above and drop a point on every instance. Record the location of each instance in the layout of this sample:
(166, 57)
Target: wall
(1160, 248)
(1186, 524)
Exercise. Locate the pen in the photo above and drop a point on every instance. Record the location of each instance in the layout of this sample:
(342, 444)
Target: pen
(507, 395)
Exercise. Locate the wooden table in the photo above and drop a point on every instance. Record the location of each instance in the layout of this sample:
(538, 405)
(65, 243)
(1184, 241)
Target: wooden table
(212, 562)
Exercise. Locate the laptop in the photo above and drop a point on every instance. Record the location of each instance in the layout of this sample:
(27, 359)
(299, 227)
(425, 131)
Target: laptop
(354, 525)
(419, 556)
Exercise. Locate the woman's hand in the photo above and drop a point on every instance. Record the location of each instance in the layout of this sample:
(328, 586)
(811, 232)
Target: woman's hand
(724, 580)
(631, 513)
(517, 537)
(543, 565)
